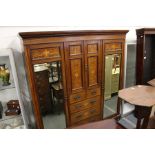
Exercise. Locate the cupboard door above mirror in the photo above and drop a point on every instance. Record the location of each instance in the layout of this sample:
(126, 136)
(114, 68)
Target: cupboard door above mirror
(46, 52)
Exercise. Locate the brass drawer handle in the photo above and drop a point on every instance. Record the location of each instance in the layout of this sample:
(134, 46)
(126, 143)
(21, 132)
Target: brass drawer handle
(93, 111)
(92, 101)
(77, 106)
(77, 97)
(93, 92)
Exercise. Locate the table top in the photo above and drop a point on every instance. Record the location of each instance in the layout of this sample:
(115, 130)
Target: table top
(139, 95)
(152, 82)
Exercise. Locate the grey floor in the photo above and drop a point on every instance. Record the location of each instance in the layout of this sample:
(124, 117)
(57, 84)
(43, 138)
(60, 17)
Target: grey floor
(54, 121)
(129, 121)
(110, 106)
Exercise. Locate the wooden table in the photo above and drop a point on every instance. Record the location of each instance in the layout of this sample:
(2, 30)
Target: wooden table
(143, 97)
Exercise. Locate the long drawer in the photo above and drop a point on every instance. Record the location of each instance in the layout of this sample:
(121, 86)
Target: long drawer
(85, 114)
(89, 103)
(88, 120)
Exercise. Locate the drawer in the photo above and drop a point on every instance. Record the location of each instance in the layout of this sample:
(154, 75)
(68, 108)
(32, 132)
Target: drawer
(79, 106)
(88, 120)
(77, 97)
(85, 114)
(93, 92)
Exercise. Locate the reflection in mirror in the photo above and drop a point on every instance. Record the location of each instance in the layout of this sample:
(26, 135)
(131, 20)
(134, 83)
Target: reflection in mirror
(48, 78)
(112, 75)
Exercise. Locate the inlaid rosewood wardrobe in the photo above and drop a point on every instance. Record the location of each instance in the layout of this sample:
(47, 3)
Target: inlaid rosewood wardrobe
(82, 55)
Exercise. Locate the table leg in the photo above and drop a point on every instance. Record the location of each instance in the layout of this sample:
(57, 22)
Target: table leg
(138, 125)
(146, 118)
(142, 112)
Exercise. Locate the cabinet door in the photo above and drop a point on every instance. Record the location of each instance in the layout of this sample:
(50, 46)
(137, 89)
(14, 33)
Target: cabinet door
(74, 56)
(93, 63)
(112, 75)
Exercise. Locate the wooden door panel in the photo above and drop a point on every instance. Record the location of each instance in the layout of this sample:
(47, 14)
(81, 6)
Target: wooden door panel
(92, 71)
(74, 56)
(92, 48)
(76, 74)
(93, 62)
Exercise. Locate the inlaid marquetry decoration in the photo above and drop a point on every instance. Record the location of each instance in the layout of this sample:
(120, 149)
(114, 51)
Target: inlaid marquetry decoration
(75, 49)
(52, 52)
(92, 48)
(76, 74)
(92, 71)
(113, 46)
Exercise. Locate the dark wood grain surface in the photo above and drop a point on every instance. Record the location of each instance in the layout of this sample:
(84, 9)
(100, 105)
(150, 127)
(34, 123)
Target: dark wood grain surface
(105, 124)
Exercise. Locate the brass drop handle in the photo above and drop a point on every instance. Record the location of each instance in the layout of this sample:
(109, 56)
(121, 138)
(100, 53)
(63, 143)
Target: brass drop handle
(93, 92)
(77, 97)
(93, 111)
(78, 106)
(92, 101)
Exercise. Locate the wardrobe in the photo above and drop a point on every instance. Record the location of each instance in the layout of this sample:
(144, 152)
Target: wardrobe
(145, 64)
(84, 80)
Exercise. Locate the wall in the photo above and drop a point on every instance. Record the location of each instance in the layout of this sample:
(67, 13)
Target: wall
(9, 35)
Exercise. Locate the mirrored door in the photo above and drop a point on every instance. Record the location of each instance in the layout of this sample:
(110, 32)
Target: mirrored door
(112, 82)
(49, 85)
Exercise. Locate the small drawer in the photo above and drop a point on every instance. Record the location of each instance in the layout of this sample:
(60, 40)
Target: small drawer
(77, 97)
(93, 92)
(85, 114)
(85, 104)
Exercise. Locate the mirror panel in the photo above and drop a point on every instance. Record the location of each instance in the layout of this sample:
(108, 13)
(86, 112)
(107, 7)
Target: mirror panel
(112, 76)
(49, 85)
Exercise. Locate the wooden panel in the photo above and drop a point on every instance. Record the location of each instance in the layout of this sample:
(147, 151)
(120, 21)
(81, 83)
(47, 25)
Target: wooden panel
(85, 114)
(89, 103)
(113, 46)
(51, 52)
(93, 63)
(75, 50)
(92, 48)
(74, 56)
(92, 71)
(76, 74)
(93, 92)
(77, 97)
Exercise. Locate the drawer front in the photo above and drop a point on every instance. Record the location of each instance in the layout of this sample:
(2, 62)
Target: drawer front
(88, 120)
(44, 53)
(93, 102)
(113, 46)
(85, 114)
(77, 97)
(93, 92)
